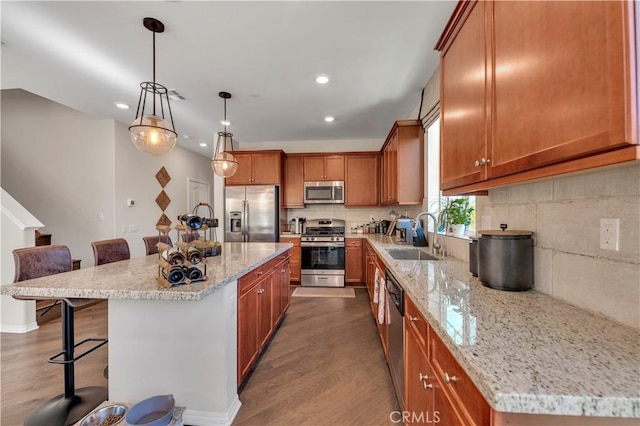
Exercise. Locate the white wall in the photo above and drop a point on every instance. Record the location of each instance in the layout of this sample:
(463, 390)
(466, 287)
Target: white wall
(135, 178)
(334, 145)
(58, 163)
(67, 167)
(564, 213)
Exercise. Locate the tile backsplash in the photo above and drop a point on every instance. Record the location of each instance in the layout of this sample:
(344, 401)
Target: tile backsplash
(353, 216)
(564, 213)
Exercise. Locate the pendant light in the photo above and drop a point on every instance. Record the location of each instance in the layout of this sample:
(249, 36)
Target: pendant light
(224, 163)
(153, 133)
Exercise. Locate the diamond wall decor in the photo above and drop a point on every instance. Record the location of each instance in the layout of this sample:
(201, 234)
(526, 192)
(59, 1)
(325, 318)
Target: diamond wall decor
(164, 220)
(163, 177)
(163, 200)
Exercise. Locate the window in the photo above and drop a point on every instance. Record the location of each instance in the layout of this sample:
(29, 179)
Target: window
(435, 200)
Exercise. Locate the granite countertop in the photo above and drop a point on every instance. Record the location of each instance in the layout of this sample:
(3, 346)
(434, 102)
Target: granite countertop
(136, 278)
(525, 351)
(289, 235)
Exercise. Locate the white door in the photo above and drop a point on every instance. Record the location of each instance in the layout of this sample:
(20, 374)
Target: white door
(198, 192)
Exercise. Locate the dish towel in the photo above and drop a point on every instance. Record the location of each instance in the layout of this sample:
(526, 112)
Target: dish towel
(376, 286)
(382, 297)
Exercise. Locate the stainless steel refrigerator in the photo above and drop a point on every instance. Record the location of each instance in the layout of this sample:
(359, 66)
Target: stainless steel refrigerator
(251, 213)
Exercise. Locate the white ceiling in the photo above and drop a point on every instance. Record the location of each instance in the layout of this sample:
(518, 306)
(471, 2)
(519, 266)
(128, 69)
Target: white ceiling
(88, 55)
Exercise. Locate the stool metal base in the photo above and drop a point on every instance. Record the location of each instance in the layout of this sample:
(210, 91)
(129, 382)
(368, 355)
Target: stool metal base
(61, 411)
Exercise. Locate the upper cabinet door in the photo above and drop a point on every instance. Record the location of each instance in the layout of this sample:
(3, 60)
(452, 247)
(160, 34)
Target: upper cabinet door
(463, 101)
(244, 174)
(361, 180)
(313, 168)
(334, 167)
(323, 167)
(293, 183)
(563, 81)
(267, 168)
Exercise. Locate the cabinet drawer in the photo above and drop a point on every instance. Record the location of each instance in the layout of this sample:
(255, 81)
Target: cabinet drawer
(414, 318)
(470, 402)
(353, 242)
(247, 281)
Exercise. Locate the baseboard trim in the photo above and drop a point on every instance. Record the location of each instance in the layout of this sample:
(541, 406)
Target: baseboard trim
(13, 328)
(212, 418)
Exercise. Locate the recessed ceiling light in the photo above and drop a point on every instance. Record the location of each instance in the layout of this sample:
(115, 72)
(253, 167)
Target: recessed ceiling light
(329, 119)
(322, 79)
(121, 105)
(225, 123)
(202, 144)
(186, 136)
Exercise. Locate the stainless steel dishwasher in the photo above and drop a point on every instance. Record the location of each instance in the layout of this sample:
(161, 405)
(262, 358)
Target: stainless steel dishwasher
(395, 297)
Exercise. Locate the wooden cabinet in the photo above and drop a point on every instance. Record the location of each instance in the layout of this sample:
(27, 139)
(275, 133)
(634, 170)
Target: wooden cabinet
(402, 174)
(542, 103)
(373, 262)
(296, 257)
(263, 298)
(293, 182)
(463, 118)
(323, 167)
(257, 168)
(353, 260)
(419, 379)
(434, 382)
(361, 180)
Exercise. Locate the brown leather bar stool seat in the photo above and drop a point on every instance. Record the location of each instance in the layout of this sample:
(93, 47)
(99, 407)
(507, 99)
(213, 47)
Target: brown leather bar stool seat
(150, 243)
(108, 251)
(71, 406)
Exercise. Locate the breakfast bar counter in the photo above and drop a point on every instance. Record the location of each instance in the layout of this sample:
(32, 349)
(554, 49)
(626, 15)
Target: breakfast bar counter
(180, 340)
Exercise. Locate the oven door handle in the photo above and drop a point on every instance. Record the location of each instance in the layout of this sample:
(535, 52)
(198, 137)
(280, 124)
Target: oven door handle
(321, 244)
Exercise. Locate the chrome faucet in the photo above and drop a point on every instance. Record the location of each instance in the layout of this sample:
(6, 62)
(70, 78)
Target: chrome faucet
(416, 224)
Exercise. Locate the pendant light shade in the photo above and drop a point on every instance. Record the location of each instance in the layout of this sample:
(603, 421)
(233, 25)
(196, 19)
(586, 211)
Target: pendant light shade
(224, 163)
(153, 133)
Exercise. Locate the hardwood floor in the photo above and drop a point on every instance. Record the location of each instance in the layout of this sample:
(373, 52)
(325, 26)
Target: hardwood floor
(325, 366)
(27, 379)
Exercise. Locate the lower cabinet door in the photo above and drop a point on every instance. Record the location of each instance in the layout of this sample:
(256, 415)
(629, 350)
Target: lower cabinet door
(248, 346)
(443, 408)
(419, 384)
(265, 325)
(285, 282)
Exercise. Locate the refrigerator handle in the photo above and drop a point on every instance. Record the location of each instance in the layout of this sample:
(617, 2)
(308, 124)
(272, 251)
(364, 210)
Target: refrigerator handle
(245, 220)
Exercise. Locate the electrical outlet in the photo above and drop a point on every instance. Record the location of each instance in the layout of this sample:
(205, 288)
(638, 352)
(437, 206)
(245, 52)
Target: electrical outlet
(609, 234)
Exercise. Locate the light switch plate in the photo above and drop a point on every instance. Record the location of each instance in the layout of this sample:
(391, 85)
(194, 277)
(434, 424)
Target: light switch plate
(609, 230)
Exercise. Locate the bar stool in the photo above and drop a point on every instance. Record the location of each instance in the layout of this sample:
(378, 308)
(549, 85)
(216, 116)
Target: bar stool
(150, 243)
(69, 407)
(107, 251)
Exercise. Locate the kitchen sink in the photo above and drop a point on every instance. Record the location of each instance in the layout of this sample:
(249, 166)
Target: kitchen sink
(410, 254)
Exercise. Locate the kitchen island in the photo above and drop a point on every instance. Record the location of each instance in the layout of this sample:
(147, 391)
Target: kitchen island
(181, 340)
(531, 356)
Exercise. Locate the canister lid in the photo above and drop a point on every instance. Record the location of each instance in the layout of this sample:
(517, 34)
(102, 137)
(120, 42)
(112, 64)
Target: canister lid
(511, 234)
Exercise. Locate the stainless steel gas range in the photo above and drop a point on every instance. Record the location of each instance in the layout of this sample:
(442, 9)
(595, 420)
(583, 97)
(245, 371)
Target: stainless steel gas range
(323, 253)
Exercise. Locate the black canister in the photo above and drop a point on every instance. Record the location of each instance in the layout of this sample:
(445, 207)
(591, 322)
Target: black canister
(505, 260)
(473, 256)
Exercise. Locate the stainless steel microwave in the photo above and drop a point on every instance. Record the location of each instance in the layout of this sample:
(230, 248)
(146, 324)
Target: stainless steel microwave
(324, 192)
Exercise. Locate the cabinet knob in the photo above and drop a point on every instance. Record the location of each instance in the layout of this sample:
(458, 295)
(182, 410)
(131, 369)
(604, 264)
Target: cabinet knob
(449, 379)
(477, 163)
(426, 385)
(412, 319)
(260, 272)
(422, 377)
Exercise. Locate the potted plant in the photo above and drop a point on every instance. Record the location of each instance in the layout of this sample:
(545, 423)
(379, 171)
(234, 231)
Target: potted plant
(457, 214)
